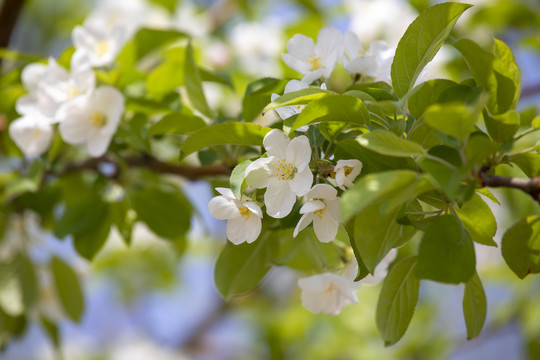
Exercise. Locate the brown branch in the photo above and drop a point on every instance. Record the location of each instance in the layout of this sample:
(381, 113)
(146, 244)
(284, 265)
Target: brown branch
(529, 91)
(528, 186)
(9, 13)
(148, 162)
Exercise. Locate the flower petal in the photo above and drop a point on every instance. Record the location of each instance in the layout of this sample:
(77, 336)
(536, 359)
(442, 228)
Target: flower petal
(322, 191)
(312, 206)
(300, 46)
(97, 142)
(223, 208)
(302, 182)
(298, 152)
(279, 198)
(236, 230)
(225, 192)
(275, 143)
(252, 228)
(325, 227)
(295, 85)
(254, 208)
(304, 221)
(259, 172)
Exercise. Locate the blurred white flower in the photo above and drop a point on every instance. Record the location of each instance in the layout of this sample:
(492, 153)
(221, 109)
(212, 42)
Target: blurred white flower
(380, 19)
(92, 120)
(187, 19)
(286, 112)
(346, 171)
(374, 62)
(327, 293)
(314, 60)
(99, 45)
(32, 134)
(285, 173)
(322, 208)
(243, 216)
(256, 46)
(380, 270)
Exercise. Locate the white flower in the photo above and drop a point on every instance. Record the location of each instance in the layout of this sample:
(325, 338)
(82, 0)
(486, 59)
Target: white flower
(49, 86)
(380, 270)
(243, 217)
(98, 44)
(286, 112)
(313, 60)
(346, 171)
(327, 293)
(323, 210)
(32, 134)
(285, 173)
(191, 21)
(93, 120)
(376, 62)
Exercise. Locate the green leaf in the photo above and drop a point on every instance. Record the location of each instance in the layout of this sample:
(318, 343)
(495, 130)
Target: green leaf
(27, 280)
(454, 119)
(508, 75)
(474, 306)
(521, 247)
(166, 212)
(529, 163)
(236, 133)
(258, 94)
(394, 188)
(427, 94)
(80, 217)
(422, 40)
(193, 83)
(237, 178)
(68, 288)
(446, 252)
(176, 123)
(299, 97)
(343, 108)
(52, 331)
(148, 40)
(502, 127)
(164, 79)
(90, 241)
(388, 143)
(376, 234)
(479, 221)
(219, 78)
(397, 301)
(240, 268)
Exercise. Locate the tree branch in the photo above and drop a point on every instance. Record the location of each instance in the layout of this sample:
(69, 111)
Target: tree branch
(9, 13)
(148, 162)
(529, 186)
(530, 91)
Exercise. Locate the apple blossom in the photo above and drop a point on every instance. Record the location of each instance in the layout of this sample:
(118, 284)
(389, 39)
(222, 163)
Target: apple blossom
(285, 173)
(32, 134)
(346, 171)
(375, 62)
(380, 270)
(314, 60)
(327, 293)
(94, 120)
(243, 216)
(286, 112)
(323, 210)
(100, 45)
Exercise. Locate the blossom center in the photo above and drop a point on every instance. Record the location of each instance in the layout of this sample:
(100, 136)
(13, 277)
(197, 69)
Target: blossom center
(97, 119)
(320, 212)
(285, 170)
(245, 212)
(102, 47)
(314, 62)
(72, 91)
(347, 170)
(37, 134)
(330, 288)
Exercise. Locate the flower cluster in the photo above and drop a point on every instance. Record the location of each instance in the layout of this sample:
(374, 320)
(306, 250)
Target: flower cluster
(285, 171)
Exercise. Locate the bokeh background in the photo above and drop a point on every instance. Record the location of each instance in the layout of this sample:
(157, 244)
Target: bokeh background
(145, 302)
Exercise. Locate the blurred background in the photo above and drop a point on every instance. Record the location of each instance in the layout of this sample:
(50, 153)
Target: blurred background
(146, 302)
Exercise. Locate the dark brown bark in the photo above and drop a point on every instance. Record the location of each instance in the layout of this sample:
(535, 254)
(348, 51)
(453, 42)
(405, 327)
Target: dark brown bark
(528, 186)
(9, 14)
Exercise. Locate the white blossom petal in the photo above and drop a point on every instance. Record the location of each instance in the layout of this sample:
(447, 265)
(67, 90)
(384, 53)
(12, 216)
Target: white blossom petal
(312, 206)
(33, 135)
(302, 182)
(259, 172)
(325, 227)
(322, 191)
(279, 198)
(298, 152)
(304, 221)
(236, 230)
(223, 208)
(252, 228)
(276, 143)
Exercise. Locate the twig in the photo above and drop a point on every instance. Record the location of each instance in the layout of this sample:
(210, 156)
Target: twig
(149, 162)
(529, 186)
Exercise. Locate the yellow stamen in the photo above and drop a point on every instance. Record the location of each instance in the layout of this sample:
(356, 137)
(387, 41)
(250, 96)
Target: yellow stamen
(98, 119)
(37, 134)
(72, 91)
(347, 170)
(245, 212)
(314, 62)
(285, 170)
(320, 212)
(102, 47)
(330, 288)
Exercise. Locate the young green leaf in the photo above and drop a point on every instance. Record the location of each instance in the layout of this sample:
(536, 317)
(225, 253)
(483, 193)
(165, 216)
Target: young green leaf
(521, 245)
(529, 163)
(257, 96)
(474, 306)
(68, 288)
(422, 40)
(454, 119)
(427, 94)
(342, 108)
(240, 268)
(397, 301)
(502, 127)
(387, 143)
(193, 83)
(176, 123)
(446, 252)
(237, 133)
(479, 221)
(237, 178)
